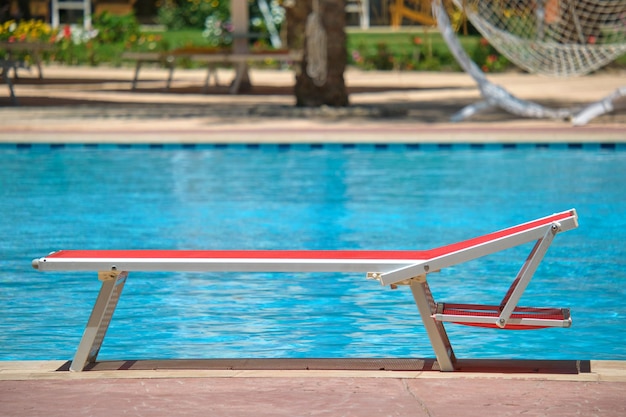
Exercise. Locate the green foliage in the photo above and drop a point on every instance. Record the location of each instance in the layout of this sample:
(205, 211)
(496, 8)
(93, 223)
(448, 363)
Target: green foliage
(213, 17)
(111, 35)
(26, 31)
(382, 59)
(371, 50)
(176, 38)
(114, 28)
(218, 29)
(420, 51)
(69, 53)
(179, 14)
(488, 58)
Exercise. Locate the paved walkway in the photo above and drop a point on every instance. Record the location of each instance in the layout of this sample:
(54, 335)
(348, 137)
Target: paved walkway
(39, 389)
(97, 105)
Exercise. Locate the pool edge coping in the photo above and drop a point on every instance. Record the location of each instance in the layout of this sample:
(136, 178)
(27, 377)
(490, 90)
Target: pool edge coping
(600, 371)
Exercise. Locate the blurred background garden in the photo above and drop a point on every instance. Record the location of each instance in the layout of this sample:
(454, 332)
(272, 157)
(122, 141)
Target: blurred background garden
(387, 42)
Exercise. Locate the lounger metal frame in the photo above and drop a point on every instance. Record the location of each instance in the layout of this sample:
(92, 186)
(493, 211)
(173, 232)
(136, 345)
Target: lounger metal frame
(388, 267)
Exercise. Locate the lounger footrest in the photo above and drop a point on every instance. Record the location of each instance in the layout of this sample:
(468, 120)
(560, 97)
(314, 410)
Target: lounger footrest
(522, 318)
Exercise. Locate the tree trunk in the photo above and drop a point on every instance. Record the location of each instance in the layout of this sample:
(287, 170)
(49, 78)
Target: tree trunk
(297, 12)
(330, 91)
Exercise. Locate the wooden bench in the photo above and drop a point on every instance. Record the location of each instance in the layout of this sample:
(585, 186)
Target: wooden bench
(388, 267)
(9, 63)
(212, 59)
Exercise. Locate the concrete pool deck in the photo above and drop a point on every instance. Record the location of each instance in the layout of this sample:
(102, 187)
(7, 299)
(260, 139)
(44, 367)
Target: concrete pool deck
(96, 105)
(197, 388)
(86, 105)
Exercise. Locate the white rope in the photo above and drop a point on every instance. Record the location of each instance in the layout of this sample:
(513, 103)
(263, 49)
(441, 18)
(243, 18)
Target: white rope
(559, 38)
(317, 62)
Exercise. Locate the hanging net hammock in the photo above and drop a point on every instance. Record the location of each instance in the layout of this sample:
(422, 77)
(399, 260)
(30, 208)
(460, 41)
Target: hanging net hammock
(552, 37)
(559, 38)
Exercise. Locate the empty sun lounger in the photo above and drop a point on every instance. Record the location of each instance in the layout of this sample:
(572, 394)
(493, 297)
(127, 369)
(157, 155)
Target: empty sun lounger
(389, 267)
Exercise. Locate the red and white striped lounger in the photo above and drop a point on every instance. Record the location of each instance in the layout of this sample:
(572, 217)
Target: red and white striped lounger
(389, 267)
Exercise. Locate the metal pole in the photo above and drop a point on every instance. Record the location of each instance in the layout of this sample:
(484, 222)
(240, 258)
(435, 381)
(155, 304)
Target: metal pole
(89, 346)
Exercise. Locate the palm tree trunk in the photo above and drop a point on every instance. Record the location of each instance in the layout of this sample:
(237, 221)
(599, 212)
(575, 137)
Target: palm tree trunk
(330, 90)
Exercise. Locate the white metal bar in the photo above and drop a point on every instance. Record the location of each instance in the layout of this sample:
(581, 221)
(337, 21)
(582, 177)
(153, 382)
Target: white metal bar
(99, 320)
(473, 252)
(463, 319)
(390, 271)
(526, 273)
(220, 264)
(435, 330)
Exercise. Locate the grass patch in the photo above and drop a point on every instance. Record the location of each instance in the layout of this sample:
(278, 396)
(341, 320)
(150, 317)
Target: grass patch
(179, 38)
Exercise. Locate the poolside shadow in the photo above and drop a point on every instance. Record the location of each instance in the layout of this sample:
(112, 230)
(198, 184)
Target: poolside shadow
(270, 90)
(158, 86)
(508, 366)
(60, 81)
(96, 94)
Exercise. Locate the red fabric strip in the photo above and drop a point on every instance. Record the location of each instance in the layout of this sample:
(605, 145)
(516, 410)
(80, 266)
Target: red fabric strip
(309, 254)
(244, 254)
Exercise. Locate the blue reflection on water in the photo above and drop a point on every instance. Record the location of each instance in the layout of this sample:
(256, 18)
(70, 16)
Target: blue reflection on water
(302, 198)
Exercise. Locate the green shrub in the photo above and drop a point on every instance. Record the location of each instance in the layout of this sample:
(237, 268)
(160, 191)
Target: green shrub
(422, 52)
(113, 28)
(180, 14)
(382, 59)
(112, 34)
(213, 17)
(488, 58)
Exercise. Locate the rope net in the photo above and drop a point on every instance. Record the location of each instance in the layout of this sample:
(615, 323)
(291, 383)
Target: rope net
(560, 38)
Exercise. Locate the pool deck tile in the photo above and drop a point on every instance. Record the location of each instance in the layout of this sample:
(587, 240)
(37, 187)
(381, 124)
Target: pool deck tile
(83, 105)
(39, 388)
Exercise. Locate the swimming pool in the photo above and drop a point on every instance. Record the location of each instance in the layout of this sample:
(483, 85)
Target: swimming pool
(306, 197)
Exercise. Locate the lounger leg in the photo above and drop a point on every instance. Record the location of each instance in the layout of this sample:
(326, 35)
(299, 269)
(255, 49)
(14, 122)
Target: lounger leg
(112, 286)
(436, 332)
(510, 300)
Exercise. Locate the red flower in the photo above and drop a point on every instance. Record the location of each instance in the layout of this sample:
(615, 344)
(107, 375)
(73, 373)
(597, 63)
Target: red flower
(417, 40)
(491, 59)
(484, 42)
(591, 40)
(67, 31)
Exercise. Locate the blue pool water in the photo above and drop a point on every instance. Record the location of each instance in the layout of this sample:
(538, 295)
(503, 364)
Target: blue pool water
(306, 197)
